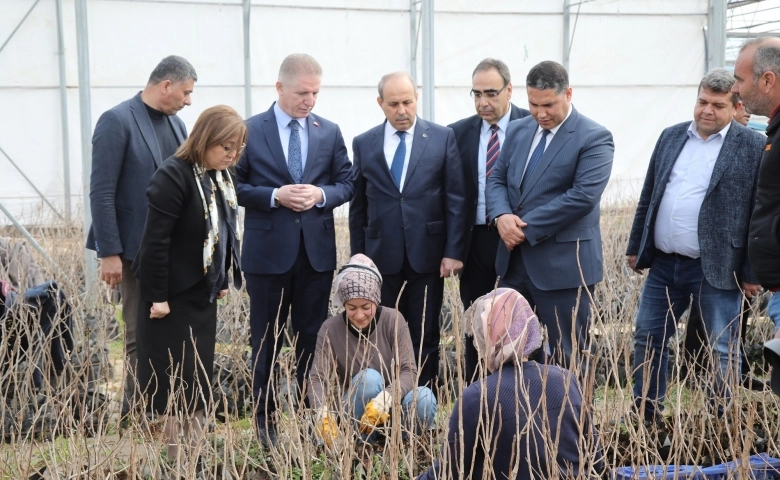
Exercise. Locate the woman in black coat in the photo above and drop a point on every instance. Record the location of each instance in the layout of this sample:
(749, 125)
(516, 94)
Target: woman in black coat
(190, 240)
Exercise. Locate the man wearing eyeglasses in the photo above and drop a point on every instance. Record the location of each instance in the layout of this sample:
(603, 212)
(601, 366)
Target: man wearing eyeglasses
(293, 173)
(543, 197)
(129, 142)
(479, 139)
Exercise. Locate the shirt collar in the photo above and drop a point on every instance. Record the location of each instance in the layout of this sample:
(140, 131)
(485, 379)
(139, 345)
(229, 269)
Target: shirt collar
(390, 130)
(284, 120)
(502, 122)
(693, 133)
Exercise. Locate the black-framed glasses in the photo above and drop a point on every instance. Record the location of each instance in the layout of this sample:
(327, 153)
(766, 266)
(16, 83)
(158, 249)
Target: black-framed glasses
(492, 93)
(237, 150)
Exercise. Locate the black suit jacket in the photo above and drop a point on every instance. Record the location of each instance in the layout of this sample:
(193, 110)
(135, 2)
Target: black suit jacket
(427, 221)
(467, 135)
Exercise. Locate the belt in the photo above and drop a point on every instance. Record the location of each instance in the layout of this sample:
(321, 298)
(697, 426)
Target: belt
(678, 256)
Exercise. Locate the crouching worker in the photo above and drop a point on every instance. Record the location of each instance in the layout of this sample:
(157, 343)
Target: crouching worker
(364, 362)
(525, 420)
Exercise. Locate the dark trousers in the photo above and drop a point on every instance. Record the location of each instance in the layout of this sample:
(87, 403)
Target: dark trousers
(304, 293)
(421, 314)
(128, 288)
(555, 310)
(478, 278)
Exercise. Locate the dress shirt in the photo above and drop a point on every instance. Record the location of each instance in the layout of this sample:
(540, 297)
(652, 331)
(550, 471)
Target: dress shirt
(391, 144)
(484, 138)
(283, 124)
(538, 136)
(677, 221)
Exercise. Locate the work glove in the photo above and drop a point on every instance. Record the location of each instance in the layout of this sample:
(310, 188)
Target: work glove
(377, 412)
(326, 427)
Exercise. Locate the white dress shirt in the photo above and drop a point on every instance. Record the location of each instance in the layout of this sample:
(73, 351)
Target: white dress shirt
(538, 137)
(677, 221)
(391, 144)
(484, 138)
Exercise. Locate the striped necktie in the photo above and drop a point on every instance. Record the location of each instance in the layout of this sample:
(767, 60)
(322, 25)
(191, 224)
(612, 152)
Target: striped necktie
(493, 149)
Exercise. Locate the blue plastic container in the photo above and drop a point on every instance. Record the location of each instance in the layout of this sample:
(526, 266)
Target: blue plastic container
(658, 472)
(762, 467)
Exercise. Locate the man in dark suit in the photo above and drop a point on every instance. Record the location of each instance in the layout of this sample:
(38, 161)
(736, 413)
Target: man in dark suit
(293, 173)
(479, 140)
(130, 141)
(690, 230)
(543, 196)
(409, 214)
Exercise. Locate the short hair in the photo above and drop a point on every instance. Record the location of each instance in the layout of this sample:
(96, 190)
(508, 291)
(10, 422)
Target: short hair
(548, 75)
(381, 86)
(735, 99)
(297, 64)
(717, 80)
(214, 126)
(173, 68)
(494, 64)
(767, 56)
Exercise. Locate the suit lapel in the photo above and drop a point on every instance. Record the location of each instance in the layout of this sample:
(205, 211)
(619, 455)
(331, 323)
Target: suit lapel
(418, 147)
(667, 161)
(727, 153)
(271, 133)
(313, 130)
(147, 129)
(176, 131)
(520, 158)
(378, 149)
(473, 161)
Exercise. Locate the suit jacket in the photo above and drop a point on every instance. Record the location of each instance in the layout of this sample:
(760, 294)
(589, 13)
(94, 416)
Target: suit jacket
(125, 154)
(272, 235)
(467, 133)
(427, 221)
(170, 259)
(559, 202)
(725, 211)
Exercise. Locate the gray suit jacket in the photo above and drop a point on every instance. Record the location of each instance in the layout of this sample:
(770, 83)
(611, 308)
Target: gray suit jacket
(725, 211)
(559, 202)
(125, 154)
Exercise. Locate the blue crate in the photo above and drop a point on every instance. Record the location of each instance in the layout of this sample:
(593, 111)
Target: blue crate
(657, 472)
(762, 467)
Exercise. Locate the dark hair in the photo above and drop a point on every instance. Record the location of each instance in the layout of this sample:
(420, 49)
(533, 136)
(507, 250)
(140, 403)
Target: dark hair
(494, 64)
(214, 126)
(173, 68)
(548, 75)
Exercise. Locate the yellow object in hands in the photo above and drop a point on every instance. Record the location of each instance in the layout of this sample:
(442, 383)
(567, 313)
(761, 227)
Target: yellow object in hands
(328, 430)
(377, 413)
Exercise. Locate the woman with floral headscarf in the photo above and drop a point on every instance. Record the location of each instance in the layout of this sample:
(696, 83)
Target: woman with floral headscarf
(364, 359)
(525, 420)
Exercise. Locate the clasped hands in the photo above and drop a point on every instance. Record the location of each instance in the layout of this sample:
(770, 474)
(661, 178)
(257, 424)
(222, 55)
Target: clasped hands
(376, 413)
(510, 228)
(299, 198)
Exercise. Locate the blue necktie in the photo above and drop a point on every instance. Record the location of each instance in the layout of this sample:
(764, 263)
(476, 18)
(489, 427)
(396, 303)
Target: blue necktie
(397, 167)
(294, 162)
(535, 157)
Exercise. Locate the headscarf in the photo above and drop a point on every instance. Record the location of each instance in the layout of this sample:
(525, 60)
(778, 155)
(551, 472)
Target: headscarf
(504, 327)
(358, 279)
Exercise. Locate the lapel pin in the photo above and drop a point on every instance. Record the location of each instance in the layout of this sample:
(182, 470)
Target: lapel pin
(425, 135)
(316, 124)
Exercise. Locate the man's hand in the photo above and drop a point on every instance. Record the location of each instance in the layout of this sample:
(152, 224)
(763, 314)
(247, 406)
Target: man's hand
(751, 289)
(510, 228)
(111, 270)
(631, 261)
(159, 310)
(299, 198)
(222, 294)
(449, 266)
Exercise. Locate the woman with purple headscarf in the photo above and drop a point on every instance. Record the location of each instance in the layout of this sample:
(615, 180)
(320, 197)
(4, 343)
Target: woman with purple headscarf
(525, 420)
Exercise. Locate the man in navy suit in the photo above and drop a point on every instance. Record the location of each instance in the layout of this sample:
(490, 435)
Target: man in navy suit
(479, 140)
(130, 141)
(293, 173)
(409, 213)
(691, 231)
(543, 196)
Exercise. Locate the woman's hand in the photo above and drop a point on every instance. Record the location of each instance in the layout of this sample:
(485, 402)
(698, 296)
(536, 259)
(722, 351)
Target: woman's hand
(159, 310)
(222, 294)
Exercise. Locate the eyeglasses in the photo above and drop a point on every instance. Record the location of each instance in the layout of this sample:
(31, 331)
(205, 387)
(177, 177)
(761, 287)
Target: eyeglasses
(236, 150)
(476, 94)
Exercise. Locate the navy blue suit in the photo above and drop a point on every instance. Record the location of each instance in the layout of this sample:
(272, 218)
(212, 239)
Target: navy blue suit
(408, 233)
(560, 203)
(286, 251)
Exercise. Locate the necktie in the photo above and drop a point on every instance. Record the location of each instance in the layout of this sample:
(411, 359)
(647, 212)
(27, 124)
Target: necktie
(493, 149)
(294, 162)
(535, 157)
(397, 167)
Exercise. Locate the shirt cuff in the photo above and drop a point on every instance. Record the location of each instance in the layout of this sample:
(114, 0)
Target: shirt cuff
(324, 199)
(273, 195)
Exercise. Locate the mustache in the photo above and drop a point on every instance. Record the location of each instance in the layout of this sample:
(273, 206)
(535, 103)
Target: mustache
(401, 118)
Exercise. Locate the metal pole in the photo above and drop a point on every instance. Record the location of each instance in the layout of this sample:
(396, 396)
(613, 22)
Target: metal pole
(19, 25)
(247, 66)
(82, 41)
(716, 23)
(413, 33)
(27, 235)
(566, 33)
(43, 197)
(428, 54)
(63, 111)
